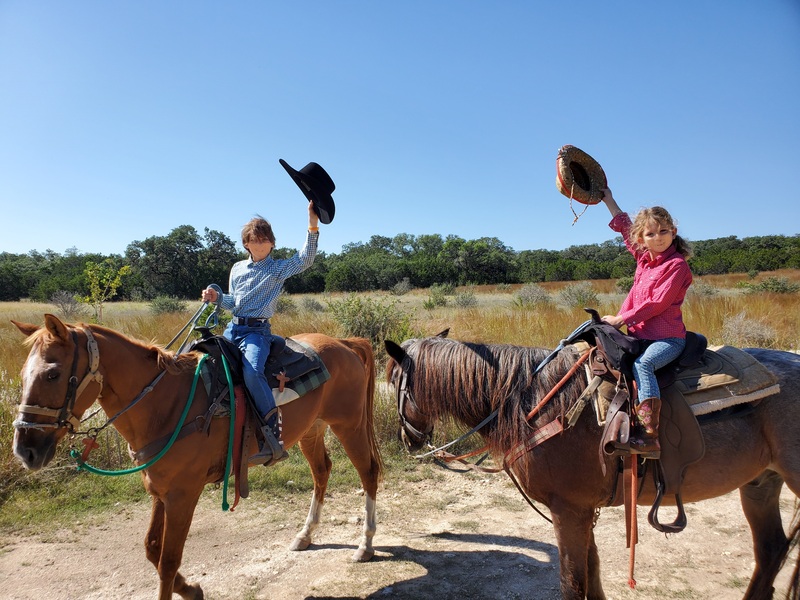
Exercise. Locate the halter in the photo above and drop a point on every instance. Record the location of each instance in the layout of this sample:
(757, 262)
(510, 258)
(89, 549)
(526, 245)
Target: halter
(404, 393)
(64, 416)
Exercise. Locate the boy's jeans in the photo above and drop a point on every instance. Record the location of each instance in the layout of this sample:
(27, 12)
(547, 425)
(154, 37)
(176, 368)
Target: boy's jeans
(254, 342)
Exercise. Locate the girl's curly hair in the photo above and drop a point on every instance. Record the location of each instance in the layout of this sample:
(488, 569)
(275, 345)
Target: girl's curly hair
(660, 215)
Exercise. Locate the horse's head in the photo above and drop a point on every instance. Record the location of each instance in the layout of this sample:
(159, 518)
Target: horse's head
(415, 427)
(54, 376)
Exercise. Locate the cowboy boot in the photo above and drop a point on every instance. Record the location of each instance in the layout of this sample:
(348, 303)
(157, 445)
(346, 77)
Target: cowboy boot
(645, 441)
(271, 450)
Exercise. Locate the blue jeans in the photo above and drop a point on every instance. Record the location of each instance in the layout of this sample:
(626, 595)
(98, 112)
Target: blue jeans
(254, 343)
(658, 354)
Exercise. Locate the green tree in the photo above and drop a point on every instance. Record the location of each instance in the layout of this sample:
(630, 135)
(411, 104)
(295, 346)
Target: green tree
(104, 279)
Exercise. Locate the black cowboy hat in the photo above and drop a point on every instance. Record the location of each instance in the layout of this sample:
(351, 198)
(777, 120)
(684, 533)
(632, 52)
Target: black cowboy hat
(317, 186)
(579, 176)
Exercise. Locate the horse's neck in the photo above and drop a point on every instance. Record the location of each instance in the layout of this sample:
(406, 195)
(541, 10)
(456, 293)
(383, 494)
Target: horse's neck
(129, 369)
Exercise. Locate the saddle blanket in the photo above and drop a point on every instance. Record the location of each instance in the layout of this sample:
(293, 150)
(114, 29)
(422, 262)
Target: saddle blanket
(303, 383)
(726, 376)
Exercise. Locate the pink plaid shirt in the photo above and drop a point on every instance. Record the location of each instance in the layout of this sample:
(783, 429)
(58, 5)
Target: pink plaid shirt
(652, 309)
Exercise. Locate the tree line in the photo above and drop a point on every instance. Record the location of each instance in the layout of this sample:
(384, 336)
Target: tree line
(183, 262)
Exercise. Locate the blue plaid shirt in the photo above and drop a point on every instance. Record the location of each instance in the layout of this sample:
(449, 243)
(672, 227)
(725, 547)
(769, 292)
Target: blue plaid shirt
(254, 287)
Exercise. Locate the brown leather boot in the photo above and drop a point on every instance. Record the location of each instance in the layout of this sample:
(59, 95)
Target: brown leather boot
(271, 450)
(645, 440)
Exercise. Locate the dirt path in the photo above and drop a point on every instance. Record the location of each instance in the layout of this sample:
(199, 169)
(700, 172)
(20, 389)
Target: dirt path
(450, 536)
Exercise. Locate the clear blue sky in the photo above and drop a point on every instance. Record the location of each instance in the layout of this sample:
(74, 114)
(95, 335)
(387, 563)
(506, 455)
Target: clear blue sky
(123, 120)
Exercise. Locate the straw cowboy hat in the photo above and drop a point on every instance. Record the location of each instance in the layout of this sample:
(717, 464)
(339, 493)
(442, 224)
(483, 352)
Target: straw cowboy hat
(317, 186)
(579, 176)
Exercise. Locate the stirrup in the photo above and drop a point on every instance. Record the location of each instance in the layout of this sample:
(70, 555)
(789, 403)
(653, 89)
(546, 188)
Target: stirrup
(271, 451)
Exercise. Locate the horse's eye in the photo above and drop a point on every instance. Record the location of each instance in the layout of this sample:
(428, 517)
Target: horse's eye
(53, 375)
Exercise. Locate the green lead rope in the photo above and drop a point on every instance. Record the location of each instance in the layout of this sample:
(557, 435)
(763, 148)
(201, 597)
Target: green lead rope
(225, 506)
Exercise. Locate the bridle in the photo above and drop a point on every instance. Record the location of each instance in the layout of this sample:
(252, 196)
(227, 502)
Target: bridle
(404, 395)
(64, 416)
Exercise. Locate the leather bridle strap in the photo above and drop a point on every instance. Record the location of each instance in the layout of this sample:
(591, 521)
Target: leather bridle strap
(64, 416)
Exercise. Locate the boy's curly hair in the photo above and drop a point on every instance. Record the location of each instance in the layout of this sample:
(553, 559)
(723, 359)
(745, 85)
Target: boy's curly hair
(660, 215)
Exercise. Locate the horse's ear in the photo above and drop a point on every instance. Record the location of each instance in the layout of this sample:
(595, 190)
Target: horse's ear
(28, 329)
(56, 328)
(443, 334)
(395, 351)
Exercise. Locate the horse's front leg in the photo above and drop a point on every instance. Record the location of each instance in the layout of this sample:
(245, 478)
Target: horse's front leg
(573, 528)
(595, 589)
(173, 517)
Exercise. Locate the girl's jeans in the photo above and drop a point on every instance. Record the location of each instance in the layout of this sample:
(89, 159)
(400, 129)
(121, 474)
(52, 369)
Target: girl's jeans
(254, 343)
(659, 353)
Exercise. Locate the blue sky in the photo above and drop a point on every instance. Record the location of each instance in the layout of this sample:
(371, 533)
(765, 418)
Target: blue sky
(123, 120)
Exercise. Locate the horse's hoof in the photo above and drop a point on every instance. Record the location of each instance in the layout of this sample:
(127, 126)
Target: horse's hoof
(299, 544)
(192, 591)
(363, 555)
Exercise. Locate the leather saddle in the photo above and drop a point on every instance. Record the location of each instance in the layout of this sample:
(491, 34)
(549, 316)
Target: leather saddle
(680, 435)
(291, 365)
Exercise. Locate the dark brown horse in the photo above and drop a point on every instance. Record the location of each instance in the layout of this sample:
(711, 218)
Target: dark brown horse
(118, 368)
(755, 453)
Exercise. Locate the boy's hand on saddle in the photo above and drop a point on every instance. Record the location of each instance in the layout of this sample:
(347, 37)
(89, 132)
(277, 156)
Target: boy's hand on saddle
(209, 295)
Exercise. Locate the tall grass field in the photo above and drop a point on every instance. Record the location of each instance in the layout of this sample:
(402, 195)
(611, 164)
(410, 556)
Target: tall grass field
(738, 310)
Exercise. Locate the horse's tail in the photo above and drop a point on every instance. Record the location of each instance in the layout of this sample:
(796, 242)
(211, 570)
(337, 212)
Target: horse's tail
(363, 347)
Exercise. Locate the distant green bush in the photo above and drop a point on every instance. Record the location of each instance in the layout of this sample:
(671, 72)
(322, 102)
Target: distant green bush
(161, 305)
(531, 294)
(437, 296)
(375, 320)
(776, 285)
(466, 298)
(578, 295)
(285, 305)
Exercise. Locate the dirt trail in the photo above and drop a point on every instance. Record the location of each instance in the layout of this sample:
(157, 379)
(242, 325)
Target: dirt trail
(450, 536)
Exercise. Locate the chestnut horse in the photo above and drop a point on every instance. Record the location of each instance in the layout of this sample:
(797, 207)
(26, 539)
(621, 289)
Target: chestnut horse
(755, 452)
(118, 368)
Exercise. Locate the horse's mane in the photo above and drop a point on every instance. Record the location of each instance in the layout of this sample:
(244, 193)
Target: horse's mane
(165, 359)
(468, 380)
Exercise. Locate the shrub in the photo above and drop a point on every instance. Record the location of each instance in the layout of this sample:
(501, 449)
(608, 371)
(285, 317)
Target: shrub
(161, 305)
(310, 304)
(776, 285)
(701, 288)
(578, 295)
(741, 331)
(437, 296)
(402, 287)
(372, 319)
(531, 295)
(285, 305)
(69, 304)
(466, 298)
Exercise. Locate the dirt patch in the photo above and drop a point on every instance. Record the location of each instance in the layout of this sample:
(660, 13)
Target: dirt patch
(449, 536)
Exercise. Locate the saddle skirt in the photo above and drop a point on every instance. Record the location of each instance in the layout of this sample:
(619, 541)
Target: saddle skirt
(724, 377)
